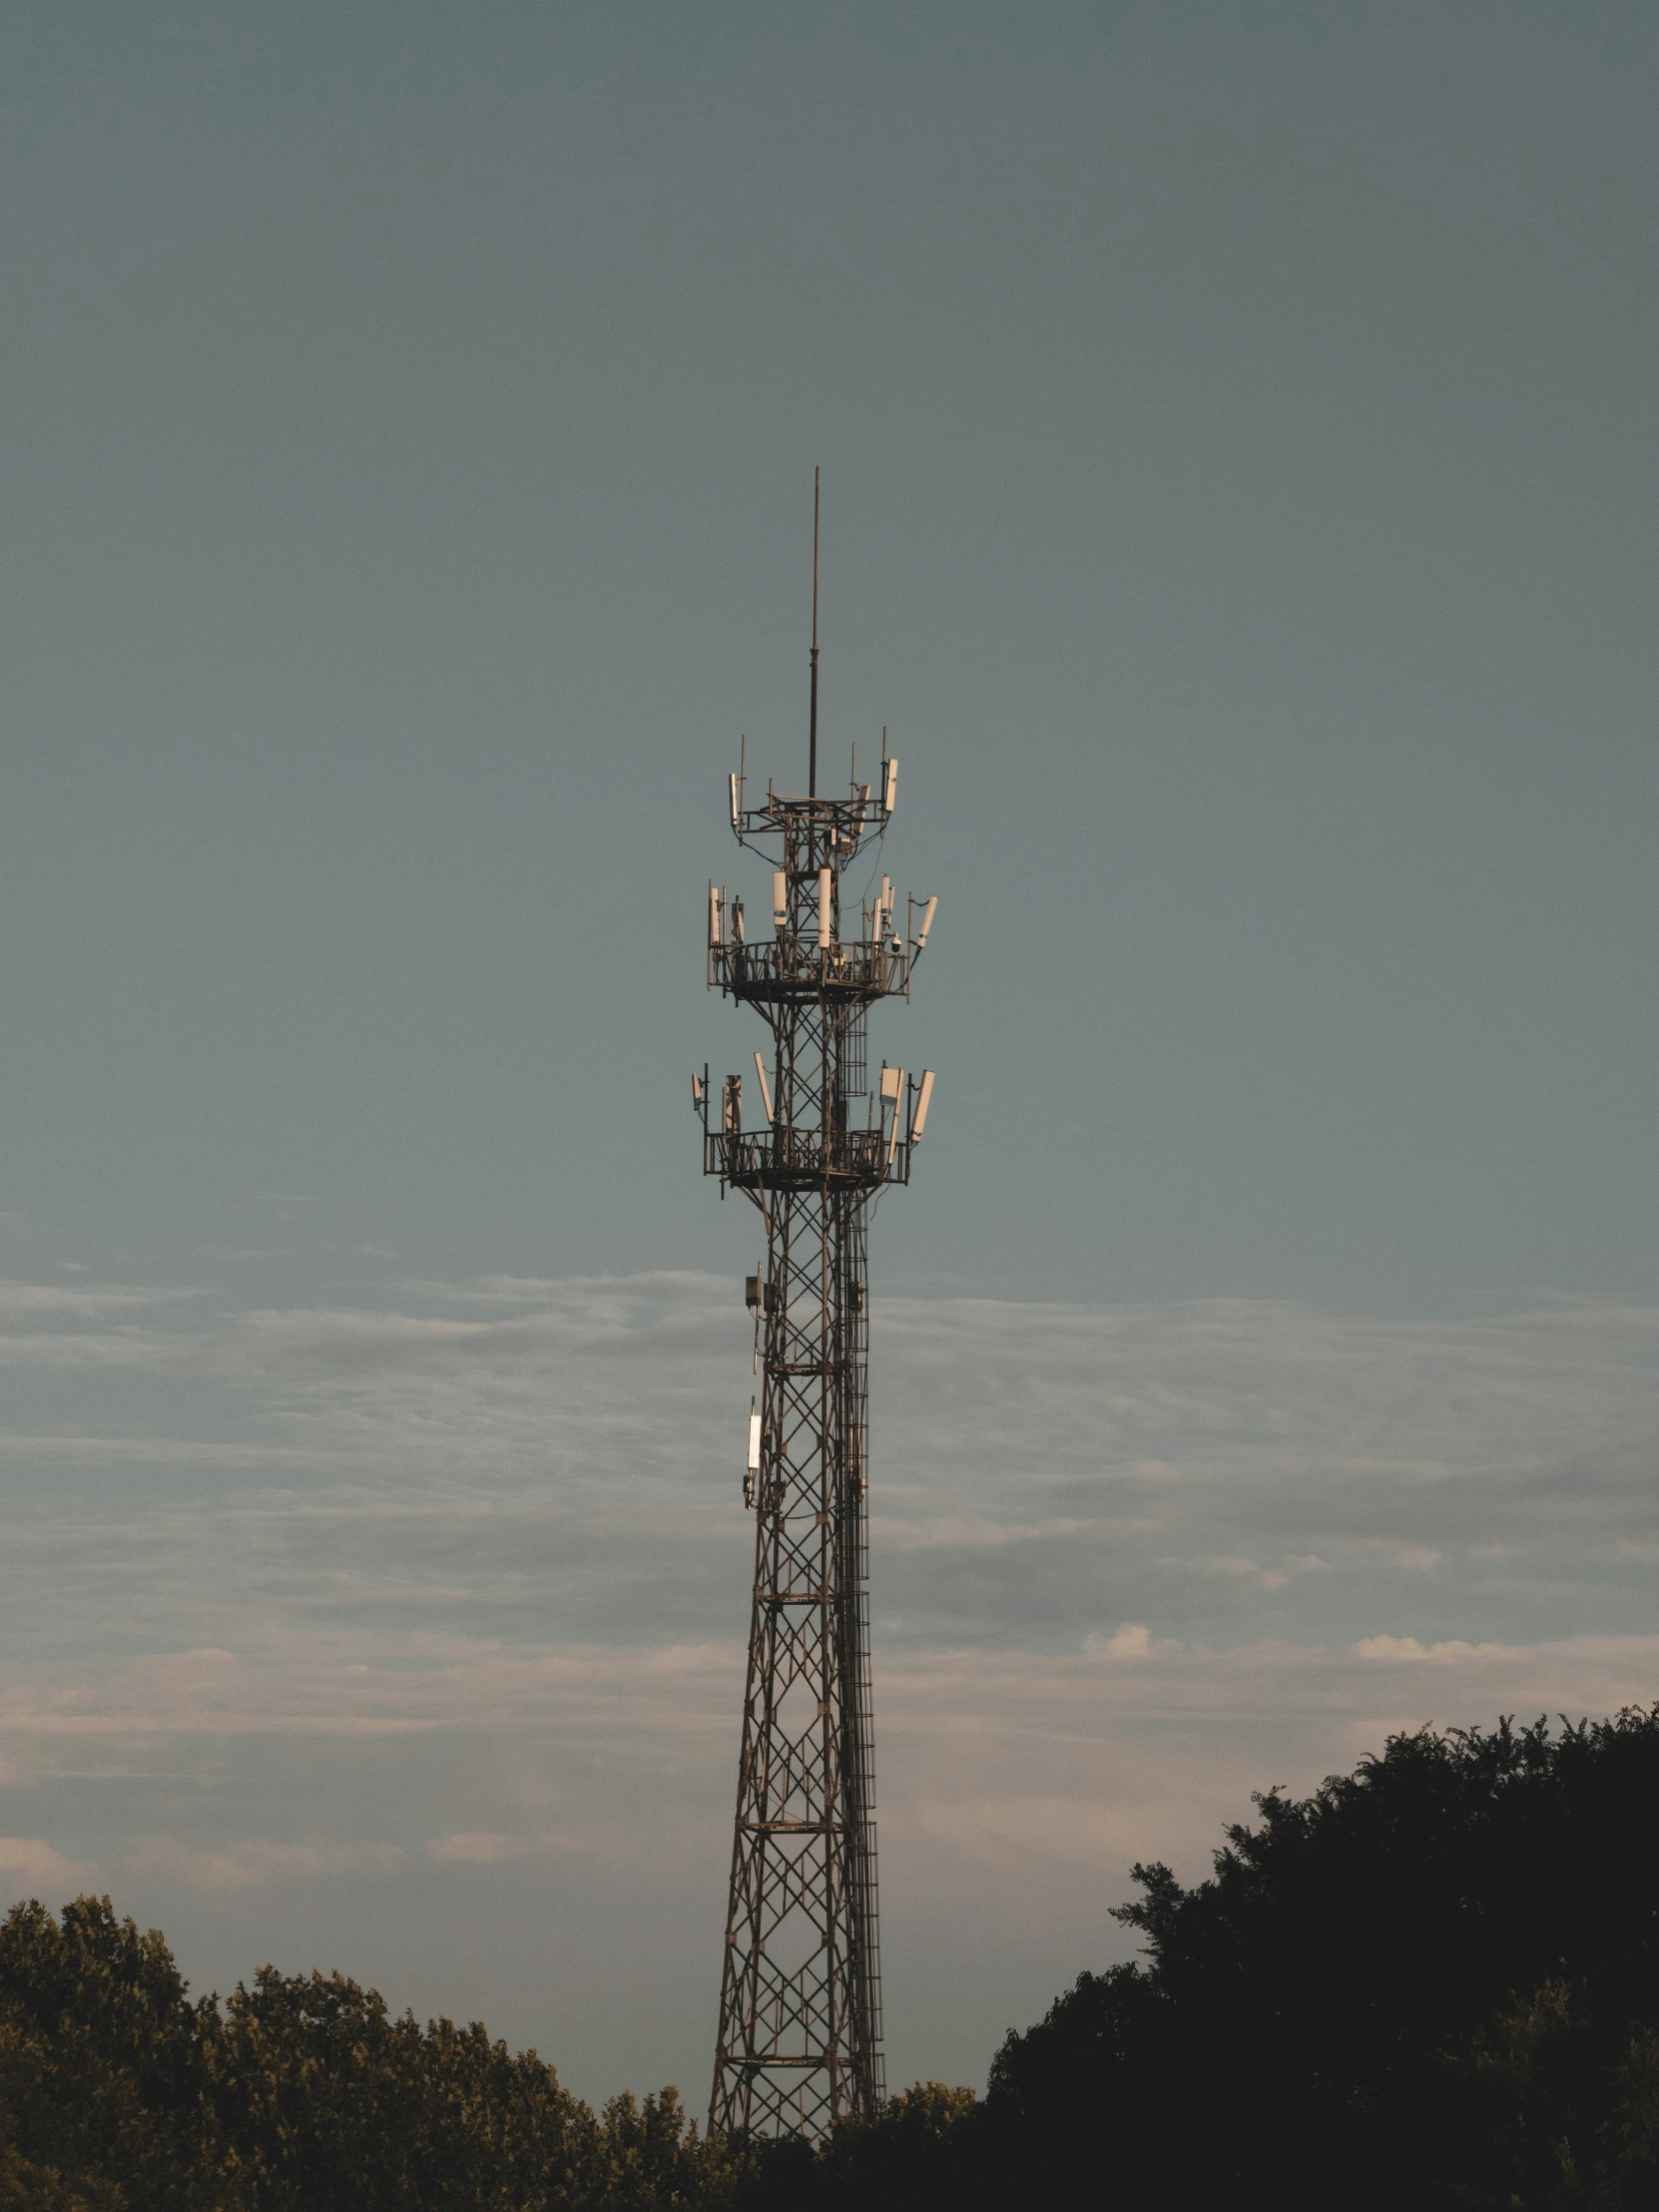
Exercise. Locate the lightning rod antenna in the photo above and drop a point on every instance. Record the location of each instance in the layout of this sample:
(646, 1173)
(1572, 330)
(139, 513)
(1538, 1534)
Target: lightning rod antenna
(811, 756)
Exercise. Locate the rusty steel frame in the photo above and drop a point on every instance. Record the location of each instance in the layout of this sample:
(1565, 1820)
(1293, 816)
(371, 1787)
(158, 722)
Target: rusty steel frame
(800, 2037)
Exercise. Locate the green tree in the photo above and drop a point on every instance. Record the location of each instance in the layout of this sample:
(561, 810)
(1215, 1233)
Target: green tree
(100, 2063)
(325, 2102)
(297, 2093)
(1433, 1981)
(1295, 2016)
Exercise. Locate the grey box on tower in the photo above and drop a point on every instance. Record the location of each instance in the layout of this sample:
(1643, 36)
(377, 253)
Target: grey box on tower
(810, 1140)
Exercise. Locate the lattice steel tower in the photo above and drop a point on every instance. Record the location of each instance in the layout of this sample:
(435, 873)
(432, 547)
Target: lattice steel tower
(800, 2042)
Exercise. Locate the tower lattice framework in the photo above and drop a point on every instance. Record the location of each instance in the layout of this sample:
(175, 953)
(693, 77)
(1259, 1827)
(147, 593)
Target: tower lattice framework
(799, 2040)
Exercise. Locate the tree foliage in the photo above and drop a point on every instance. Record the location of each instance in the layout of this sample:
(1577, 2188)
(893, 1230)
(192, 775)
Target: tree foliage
(1433, 1981)
(303, 2093)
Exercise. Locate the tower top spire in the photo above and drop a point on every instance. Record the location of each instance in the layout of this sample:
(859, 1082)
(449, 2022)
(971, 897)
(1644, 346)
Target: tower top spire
(812, 750)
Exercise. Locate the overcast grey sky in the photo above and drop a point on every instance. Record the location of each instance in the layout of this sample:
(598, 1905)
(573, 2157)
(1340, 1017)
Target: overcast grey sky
(1240, 471)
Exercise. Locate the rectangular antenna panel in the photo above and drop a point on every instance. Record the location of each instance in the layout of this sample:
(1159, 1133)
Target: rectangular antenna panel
(924, 1100)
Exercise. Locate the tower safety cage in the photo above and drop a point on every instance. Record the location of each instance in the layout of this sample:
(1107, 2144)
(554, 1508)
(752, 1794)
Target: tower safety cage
(811, 1141)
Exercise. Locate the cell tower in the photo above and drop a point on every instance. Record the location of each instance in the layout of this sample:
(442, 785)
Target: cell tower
(799, 2044)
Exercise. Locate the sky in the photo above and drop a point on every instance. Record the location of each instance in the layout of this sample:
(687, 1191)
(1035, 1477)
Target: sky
(1239, 462)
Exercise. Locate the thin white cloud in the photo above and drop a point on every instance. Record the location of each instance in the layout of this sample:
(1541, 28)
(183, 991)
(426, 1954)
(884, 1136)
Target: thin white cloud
(1264, 1577)
(1450, 1652)
(255, 1862)
(475, 1848)
(1132, 1641)
(92, 1300)
(970, 1532)
(30, 1867)
(116, 1347)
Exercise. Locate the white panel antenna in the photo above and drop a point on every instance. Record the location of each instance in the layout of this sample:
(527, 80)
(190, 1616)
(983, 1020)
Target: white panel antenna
(924, 1100)
(731, 780)
(926, 923)
(826, 899)
(766, 1087)
(754, 1438)
(891, 796)
(780, 901)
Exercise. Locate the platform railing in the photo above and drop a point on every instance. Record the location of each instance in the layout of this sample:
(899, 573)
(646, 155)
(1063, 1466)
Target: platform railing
(770, 1158)
(788, 967)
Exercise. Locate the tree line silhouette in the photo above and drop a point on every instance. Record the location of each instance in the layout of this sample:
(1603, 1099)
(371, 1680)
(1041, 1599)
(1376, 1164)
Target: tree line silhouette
(1433, 1981)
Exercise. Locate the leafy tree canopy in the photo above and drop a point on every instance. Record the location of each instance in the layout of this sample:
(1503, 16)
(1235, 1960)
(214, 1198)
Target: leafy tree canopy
(1434, 1982)
(300, 2094)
